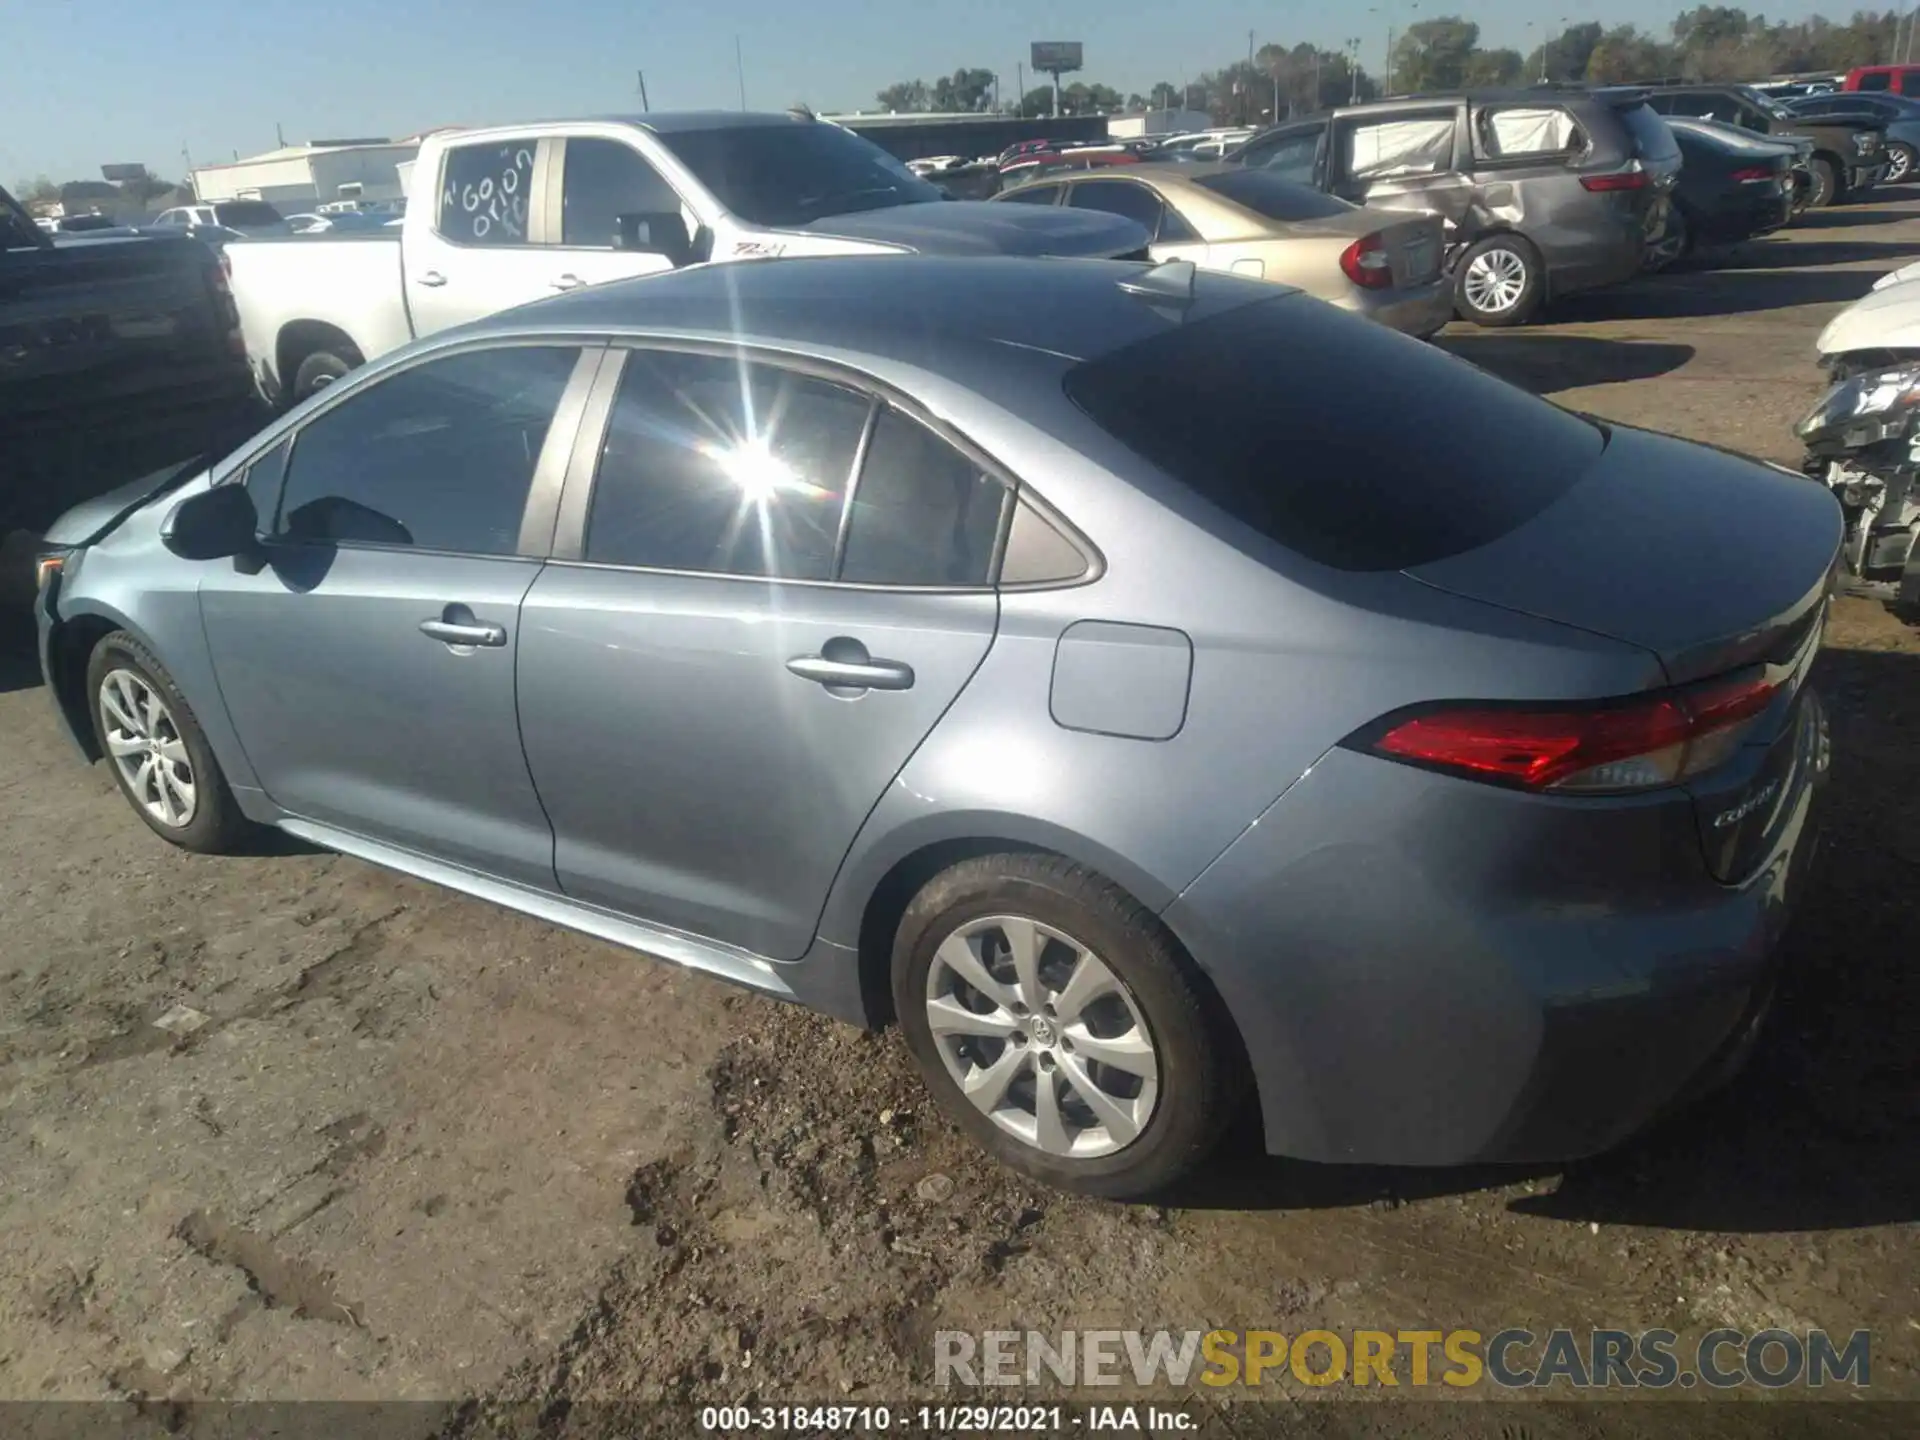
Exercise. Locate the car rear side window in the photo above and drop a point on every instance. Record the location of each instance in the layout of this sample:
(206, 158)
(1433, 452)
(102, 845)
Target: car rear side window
(923, 513)
(1512, 132)
(1120, 197)
(724, 467)
(1338, 439)
(484, 193)
(436, 457)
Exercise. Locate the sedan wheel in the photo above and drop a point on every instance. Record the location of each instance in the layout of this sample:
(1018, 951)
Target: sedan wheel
(1058, 1023)
(1899, 162)
(145, 744)
(160, 759)
(1042, 1037)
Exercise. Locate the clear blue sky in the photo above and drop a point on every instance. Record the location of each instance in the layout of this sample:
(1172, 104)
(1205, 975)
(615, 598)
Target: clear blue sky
(92, 81)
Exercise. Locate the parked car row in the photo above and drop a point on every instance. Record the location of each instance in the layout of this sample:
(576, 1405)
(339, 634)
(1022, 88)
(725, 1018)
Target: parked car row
(1551, 190)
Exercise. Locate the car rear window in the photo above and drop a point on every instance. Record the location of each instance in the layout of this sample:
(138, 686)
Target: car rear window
(247, 212)
(1652, 140)
(1340, 439)
(1265, 193)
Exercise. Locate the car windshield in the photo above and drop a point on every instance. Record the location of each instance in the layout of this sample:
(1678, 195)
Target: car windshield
(246, 212)
(791, 174)
(1272, 411)
(1266, 194)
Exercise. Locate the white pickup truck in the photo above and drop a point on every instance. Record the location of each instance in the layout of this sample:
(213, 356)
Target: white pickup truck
(499, 217)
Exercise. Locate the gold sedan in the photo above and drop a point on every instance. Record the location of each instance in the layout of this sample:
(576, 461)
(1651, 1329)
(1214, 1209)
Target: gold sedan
(1383, 264)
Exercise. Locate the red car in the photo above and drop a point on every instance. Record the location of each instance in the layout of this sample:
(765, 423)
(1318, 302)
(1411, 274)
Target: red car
(1900, 79)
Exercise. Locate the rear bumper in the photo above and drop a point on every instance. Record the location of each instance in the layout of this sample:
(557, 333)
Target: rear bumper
(1412, 309)
(1428, 971)
(1733, 223)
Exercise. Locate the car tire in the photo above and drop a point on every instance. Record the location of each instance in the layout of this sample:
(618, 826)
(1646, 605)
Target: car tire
(1900, 157)
(321, 369)
(156, 750)
(1826, 184)
(1500, 281)
(1171, 1082)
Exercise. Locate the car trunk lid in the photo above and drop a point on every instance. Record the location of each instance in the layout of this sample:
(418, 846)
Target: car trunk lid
(1718, 565)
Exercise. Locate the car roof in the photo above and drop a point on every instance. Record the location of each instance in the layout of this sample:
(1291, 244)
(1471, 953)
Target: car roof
(932, 311)
(673, 122)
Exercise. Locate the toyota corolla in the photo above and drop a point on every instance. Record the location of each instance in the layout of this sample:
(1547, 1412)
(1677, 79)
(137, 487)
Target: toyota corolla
(1133, 681)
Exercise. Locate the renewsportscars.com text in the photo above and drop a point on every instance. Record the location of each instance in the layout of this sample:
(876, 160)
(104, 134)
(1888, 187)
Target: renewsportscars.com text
(1511, 1358)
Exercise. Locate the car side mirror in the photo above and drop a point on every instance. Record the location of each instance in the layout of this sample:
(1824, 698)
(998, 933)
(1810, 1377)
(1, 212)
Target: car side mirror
(654, 232)
(213, 525)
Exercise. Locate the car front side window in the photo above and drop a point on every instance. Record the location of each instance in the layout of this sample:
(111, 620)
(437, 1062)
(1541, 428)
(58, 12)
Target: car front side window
(606, 179)
(439, 456)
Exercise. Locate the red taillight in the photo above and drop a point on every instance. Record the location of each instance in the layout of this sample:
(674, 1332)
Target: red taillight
(1753, 175)
(1366, 263)
(1634, 746)
(1623, 180)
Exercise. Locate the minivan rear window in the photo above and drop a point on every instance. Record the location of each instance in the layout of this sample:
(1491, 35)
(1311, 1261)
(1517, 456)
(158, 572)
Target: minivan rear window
(1652, 140)
(1343, 441)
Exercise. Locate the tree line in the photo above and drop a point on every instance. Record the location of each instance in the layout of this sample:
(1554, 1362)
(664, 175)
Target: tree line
(1708, 42)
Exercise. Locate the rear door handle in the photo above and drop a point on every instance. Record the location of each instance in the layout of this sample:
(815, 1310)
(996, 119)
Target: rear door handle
(457, 626)
(430, 278)
(566, 282)
(844, 664)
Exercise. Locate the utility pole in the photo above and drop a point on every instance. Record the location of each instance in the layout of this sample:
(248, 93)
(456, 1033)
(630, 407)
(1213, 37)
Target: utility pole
(279, 135)
(740, 72)
(644, 106)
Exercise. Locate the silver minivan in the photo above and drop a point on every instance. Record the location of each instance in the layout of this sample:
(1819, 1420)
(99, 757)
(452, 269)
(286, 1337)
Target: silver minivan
(1543, 191)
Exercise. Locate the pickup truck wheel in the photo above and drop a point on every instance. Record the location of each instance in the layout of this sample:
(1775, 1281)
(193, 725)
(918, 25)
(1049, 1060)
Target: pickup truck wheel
(321, 369)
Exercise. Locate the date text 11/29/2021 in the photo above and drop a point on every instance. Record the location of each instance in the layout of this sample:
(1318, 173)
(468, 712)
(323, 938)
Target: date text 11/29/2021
(944, 1419)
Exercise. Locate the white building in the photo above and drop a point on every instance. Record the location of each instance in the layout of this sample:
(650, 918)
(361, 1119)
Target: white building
(1158, 122)
(311, 174)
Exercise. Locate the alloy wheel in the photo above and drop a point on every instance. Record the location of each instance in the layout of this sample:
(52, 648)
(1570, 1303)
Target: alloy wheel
(1042, 1036)
(1899, 163)
(1495, 281)
(145, 746)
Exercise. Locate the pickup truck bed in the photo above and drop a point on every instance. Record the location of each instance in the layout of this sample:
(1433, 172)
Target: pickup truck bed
(118, 354)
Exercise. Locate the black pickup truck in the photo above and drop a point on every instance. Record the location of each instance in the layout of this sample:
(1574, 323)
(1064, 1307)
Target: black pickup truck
(1849, 151)
(119, 353)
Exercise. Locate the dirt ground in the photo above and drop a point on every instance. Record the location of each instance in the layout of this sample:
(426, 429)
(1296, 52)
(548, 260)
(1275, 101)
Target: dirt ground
(415, 1147)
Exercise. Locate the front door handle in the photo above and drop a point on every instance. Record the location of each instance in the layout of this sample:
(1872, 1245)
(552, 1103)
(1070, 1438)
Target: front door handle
(844, 664)
(566, 282)
(457, 626)
(432, 279)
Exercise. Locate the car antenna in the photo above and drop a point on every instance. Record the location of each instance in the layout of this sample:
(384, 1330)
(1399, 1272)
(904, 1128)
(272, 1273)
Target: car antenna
(1169, 280)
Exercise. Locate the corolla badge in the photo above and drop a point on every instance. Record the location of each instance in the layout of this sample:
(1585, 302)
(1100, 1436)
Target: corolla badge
(1747, 806)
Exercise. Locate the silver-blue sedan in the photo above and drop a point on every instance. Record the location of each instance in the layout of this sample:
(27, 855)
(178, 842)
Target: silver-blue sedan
(1131, 680)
